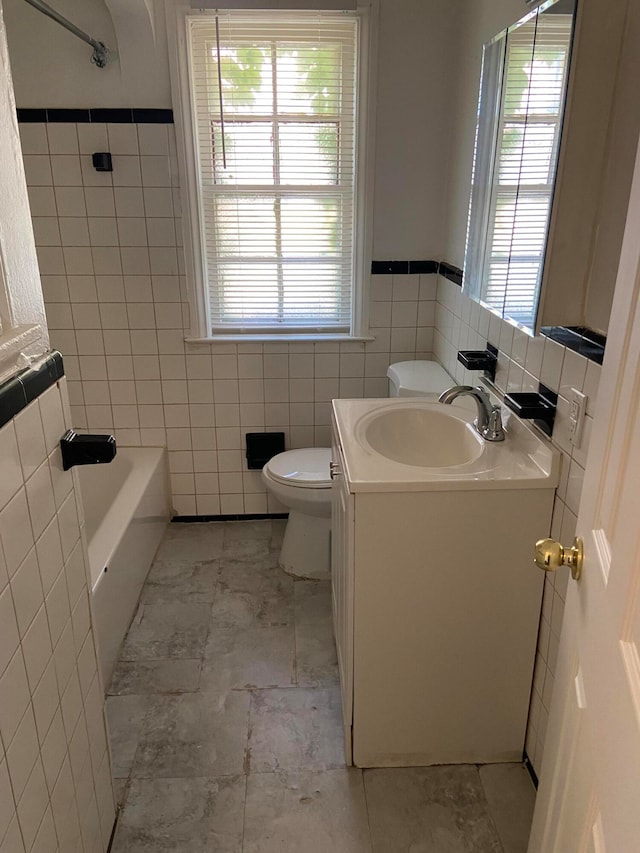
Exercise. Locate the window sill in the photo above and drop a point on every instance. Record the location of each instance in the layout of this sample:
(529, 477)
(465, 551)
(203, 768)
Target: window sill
(12, 343)
(274, 339)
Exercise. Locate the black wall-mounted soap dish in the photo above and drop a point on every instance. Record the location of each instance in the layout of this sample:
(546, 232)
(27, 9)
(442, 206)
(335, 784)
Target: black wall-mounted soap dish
(485, 360)
(539, 408)
(86, 449)
(102, 161)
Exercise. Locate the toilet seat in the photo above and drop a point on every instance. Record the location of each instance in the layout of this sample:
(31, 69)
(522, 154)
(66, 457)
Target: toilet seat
(307, 469)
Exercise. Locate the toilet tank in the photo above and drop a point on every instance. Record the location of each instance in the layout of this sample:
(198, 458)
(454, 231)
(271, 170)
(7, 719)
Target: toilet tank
(418, 379)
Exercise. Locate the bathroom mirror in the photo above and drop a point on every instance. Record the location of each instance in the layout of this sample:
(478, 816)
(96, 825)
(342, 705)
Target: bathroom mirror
(521, 109)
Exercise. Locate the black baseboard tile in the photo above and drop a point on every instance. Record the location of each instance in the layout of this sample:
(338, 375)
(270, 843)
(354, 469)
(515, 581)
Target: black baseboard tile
(107, 115)
(113, 829)
(28, 385)
(249, 516)
(529, 768)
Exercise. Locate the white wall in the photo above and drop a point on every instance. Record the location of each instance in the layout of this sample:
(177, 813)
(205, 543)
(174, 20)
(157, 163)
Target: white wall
(51, 68)
(416, 72)
(55, 777)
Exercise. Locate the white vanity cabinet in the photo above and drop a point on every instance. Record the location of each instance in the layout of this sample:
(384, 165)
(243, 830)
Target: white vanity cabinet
(342, 576)
(436, 603)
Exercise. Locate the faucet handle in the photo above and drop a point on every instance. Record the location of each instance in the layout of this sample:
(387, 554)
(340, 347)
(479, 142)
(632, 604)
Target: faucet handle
(494, 430)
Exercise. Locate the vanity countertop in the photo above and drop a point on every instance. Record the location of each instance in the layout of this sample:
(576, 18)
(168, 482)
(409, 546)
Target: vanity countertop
(525, 460)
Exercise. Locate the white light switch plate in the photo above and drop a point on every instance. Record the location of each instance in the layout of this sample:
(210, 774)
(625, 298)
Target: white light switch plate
(577, 412)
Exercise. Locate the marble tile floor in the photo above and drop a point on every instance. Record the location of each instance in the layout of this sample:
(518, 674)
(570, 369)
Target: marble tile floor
(225, 723)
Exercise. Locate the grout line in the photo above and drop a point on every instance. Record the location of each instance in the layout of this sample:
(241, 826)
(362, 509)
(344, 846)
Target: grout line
(244, 811)
(209, 625)
(488, 809)
(246, 771)
(129, 777)
(366, 805)
(295, 634)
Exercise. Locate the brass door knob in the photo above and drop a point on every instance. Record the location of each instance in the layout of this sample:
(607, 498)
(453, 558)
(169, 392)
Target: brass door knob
(551, 555)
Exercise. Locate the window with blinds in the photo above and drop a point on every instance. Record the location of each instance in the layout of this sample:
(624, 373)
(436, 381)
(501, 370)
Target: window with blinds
(274, 103)
(517, 143)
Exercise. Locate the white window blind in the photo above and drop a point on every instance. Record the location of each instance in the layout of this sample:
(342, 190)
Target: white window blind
(276, 148)
(519, 129)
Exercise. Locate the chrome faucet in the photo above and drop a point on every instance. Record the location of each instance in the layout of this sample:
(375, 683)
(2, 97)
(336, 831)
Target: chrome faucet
(489, 420)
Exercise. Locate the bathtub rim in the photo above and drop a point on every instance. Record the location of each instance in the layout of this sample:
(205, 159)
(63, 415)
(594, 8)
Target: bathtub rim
(103, 544)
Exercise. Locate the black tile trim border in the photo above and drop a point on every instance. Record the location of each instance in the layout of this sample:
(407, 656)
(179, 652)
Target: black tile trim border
(124, 115)
(67, 115)
(404, 267)
(31, 116)
(141, 115)
(580, 339)
(528, 766)
(389, 267)
(250, 516)
(423, 267)
(27, 386)
(454, 274)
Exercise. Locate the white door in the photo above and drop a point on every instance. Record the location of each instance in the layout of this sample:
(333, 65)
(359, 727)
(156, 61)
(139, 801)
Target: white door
(589, 795)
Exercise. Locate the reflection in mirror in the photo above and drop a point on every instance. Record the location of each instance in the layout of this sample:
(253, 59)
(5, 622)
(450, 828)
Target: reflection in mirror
(522, 95)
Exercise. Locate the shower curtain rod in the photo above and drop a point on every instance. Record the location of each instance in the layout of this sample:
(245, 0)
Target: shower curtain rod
(100, 50)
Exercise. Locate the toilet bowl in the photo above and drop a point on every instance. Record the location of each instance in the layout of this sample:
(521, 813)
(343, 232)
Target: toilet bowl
(300, 480)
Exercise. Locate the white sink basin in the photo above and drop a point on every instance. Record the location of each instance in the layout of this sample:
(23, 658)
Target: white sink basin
(417, 444)
(428, 438)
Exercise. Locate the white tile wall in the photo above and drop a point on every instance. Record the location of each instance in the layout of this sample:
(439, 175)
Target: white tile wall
(523, 362)
(109, 246)
(54, 757)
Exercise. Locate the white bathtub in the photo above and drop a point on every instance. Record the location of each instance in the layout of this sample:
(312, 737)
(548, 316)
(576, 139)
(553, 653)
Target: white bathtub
(126, 509)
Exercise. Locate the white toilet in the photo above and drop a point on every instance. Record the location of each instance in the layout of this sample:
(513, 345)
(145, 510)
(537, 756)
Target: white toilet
(418, 379)
(300, 479)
